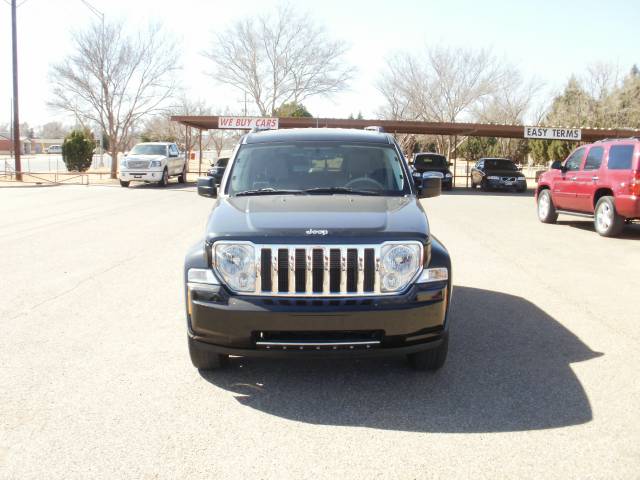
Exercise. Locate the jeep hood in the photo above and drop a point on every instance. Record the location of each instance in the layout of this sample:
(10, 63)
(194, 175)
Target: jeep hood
(317, 218)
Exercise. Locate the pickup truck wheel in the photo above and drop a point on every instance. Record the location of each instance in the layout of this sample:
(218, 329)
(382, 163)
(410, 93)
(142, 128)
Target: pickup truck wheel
(203, 359)
(432, 359)
(124, 184)
(182, 178)
(164, 181)
(546, 211)
(606, 220)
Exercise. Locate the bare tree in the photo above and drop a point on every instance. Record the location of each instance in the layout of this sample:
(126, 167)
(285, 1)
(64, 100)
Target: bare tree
(114, 79)
(160, 127)
(279, 58)
(442, 84)
(52, 130)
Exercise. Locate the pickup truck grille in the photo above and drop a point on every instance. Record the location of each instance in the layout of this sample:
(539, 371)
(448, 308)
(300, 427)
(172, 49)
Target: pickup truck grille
(136, 164)
(286, 270)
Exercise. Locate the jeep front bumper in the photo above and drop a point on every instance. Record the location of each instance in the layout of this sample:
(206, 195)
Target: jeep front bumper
(259, 326)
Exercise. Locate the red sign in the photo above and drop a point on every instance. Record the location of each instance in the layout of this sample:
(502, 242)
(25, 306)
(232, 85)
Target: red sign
(248, 123)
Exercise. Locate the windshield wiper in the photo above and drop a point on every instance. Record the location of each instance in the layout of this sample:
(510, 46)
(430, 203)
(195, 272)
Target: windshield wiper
(330, 190)
(268, 191)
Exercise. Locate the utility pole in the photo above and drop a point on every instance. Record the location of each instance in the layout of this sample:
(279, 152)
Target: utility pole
(16, 116)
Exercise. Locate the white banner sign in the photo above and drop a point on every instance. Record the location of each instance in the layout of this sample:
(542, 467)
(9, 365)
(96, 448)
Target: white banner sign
(248, 123)
(551, 133)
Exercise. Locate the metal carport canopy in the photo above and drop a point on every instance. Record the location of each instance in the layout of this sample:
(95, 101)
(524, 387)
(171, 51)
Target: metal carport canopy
(415, 127)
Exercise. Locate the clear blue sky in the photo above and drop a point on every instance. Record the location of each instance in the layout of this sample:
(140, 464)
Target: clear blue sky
(546, 39)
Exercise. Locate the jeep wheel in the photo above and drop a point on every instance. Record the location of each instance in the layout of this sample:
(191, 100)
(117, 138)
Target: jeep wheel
(432, 359)
(606, 220)
(124, 184)
(164, 181)
(546, 210)
(182, 178)
(202, 358)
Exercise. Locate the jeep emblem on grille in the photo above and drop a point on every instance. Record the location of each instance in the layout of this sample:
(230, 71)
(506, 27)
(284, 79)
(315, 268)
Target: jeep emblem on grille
(313, 231)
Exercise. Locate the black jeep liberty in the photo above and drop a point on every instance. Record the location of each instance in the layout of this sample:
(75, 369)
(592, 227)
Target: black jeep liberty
(317, 244)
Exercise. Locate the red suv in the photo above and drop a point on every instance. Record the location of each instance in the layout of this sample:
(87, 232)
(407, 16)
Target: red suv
(600, 180)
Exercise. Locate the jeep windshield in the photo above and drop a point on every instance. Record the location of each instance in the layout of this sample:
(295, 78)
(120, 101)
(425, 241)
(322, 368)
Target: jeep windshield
(148, 150)
(424, 162)
(499, 164)
(317, 168)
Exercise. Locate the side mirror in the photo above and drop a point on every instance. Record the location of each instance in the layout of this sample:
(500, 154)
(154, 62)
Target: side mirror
(431, 185)
(207, 187)
(126, 154)
(450, 164)
(173, 155)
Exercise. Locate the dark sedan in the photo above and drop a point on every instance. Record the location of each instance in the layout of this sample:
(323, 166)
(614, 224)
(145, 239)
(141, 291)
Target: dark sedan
(434, 162)
(497, 174)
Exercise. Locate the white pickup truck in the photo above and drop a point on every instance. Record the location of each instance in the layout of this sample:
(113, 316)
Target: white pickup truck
(153, 162)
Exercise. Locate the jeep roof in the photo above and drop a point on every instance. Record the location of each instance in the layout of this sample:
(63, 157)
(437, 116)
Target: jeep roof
(311, 134)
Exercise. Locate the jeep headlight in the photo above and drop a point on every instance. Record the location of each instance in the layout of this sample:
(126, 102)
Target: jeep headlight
(399, 264)
(493, 177)
(155, 163)
(236, 265)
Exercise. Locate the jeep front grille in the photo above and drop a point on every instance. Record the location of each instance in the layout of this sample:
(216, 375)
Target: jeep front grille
(319, 270)
(312, 270)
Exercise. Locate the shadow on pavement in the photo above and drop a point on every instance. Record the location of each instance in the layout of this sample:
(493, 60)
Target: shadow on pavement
(509, 369)
(173, 186)
(630, 232)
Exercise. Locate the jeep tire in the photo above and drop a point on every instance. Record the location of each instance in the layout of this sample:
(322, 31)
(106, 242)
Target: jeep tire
(606, 220)
(546, 210)
(204, 359)
(432, 359)
(124, 183)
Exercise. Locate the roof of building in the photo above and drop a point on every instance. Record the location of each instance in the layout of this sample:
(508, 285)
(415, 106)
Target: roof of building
(410, 126)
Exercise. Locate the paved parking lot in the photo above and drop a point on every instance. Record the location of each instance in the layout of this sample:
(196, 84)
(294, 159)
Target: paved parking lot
(542, 379)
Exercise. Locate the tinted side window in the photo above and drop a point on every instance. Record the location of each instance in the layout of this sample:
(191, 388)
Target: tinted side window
(575, 160)
(594, 158)
(173, 149)
(620, 157)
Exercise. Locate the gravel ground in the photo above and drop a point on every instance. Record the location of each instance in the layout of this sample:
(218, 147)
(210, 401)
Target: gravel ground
(542, 379)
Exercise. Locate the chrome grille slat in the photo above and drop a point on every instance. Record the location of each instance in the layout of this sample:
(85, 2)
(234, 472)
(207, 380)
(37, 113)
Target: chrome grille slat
(343, 269)
(360, 287)
(326, 270)
(309, 270)
(376, 272)
(294, 270)
(258, 260)
(274, 270)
